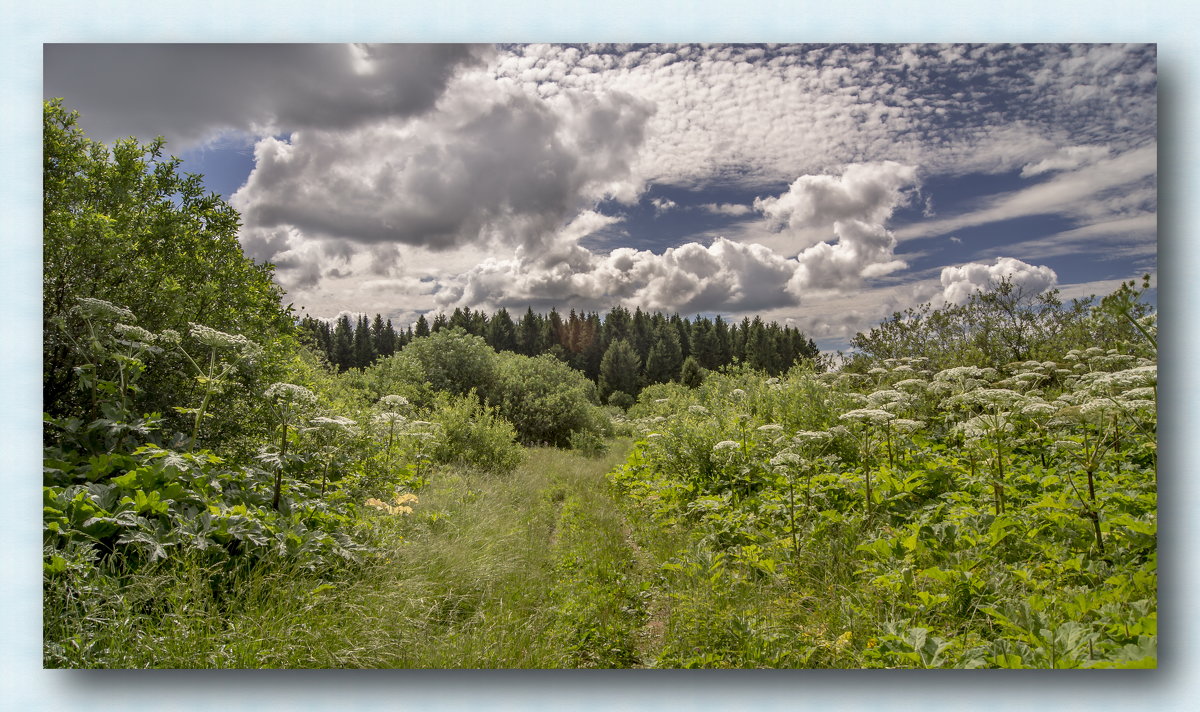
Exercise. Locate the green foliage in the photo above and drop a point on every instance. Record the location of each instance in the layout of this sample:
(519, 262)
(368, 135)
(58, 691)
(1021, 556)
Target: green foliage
(973, 517)
(449, 360)
(665, 356)
(621, 399)
(691, 374)
(582, 340)
(978, 490)
(473, 435)
(1001, 325)
(126, 226)
(546, 400)
(619, 369)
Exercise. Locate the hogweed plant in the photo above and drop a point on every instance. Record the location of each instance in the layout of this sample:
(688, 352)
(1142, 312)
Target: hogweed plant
(225, 353)
(786, 463)
(991, 427)
(812, 444)
(288, 401)
(391, 417)
(866, 425)
(1094, 430)
(110, 337)
(894, 402)
(331, 434)
(389, 420)
(423, 434)
(114, 357)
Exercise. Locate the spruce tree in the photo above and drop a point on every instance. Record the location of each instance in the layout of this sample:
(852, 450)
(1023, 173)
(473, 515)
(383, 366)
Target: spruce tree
(722, 343)
(691, 374)
(364, 346)
(502, 333)
(529, 333)
(619, 370)
(390, 342)
(377, 336)
(665, 357)
(343, 343)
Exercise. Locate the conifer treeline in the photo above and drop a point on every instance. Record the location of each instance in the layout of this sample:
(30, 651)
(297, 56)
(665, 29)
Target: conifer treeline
(658, 345)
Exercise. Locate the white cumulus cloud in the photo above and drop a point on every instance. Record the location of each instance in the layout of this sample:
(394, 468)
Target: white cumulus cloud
(958, 283)
(490, 167)
(723, 276)
(864, 193)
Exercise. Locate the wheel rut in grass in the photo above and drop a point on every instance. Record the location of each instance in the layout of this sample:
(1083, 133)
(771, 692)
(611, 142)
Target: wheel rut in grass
(536, 569)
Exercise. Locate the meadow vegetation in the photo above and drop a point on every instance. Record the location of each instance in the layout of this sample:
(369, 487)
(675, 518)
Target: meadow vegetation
(975, 487)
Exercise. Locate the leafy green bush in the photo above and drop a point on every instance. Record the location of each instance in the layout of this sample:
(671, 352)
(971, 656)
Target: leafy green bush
(621, 399)
(1006, 324)
(546, 400)
(449, 360)
(124, 225)
(472, 434)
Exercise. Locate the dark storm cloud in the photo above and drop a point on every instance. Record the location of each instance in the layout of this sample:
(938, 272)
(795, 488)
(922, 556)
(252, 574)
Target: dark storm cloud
(190, 92)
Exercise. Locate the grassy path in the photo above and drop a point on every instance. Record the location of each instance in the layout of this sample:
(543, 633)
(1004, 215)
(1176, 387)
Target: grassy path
(534, 569)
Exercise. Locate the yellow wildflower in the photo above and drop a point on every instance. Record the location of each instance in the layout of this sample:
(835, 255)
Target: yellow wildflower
(398, 508)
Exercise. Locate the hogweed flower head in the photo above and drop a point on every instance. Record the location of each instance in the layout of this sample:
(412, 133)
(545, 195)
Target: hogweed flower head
(1145, 393)
(135, 334)
(870, 416)
(215, 338)
(785, 459)
(389, 418)
(811, 437)
(336, 423)
(169, 337)
(1038, 409)
(221, 341)
(393, 401)
(290, 393)
(91, 308)
(907, 425)
(912, 385)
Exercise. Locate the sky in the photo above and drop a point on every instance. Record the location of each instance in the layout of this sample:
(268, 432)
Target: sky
(821, 186)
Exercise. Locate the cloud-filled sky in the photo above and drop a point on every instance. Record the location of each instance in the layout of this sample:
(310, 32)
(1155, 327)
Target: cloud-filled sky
(824, 186)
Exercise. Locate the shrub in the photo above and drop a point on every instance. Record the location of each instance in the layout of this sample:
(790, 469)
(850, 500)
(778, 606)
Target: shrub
(546, 400)
(449, 360)
(472, 434)
(125, 225)
(621, 400)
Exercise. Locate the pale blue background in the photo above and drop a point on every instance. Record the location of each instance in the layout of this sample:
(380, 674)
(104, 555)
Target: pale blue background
(24, 685)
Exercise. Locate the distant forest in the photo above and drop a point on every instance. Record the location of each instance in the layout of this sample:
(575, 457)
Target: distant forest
(660, 348)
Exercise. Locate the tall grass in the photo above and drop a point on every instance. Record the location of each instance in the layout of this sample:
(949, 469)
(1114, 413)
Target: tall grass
(489, 571)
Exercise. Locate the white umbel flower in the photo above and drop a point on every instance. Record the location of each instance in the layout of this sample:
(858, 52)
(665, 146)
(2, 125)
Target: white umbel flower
(100, 309)
(290, 393)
